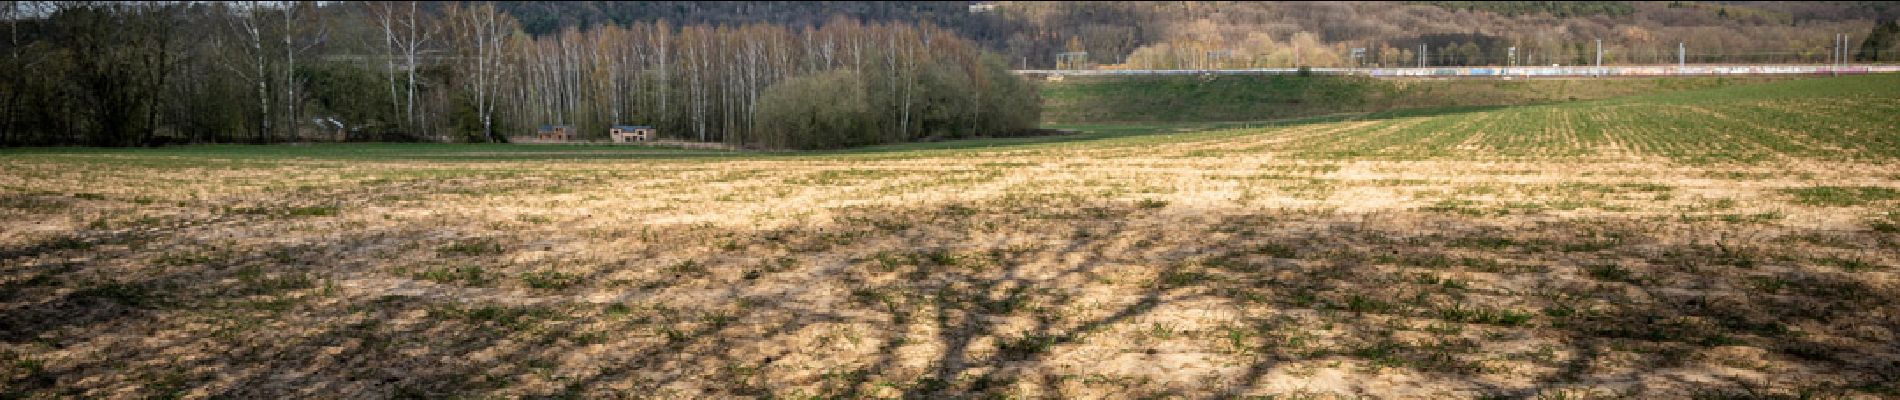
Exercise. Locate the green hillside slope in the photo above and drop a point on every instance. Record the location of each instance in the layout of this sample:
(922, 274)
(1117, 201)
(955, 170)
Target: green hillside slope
(1256, 98)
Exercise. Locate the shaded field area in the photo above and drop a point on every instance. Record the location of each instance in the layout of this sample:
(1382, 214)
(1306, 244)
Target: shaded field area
(1719, 243)
(1081, 100)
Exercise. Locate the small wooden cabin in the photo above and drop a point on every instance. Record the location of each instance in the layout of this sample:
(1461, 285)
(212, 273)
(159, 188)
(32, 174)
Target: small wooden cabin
(555, 132)
(630, 133)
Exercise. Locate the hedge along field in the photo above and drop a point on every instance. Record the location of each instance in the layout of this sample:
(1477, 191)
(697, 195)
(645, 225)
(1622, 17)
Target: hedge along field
(1728, 242)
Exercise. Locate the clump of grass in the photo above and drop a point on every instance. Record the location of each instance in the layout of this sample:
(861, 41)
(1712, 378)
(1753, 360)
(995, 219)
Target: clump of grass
(731, 245)
(67, 243)
(1011, 304)
(1364, 304)
(1647, 187)
(188, 258)
(1434, 279)
(1483, 242)
(471, 247)
(1027, 346)
(130, 294)
(872, 295)
(717, 320)
(686, 267)
(1751, 218)
(1884, 227)
(471, 275)
(1842, 196)
(1163, 331)
(959, 210)
(1851, 264)
(1768, 284)
(1484, 315)
(1151, 203)
(1277, 250)
(889, 261)
(549, 279)
(289, 211)
(1428, 260)
(781, 264)
(1456, 206)
(1887, 222)
(311, 211)
(1611, 273)
(1181, 277)
(30, 202)
(942, 257)
(1592, 245)
(515, 318)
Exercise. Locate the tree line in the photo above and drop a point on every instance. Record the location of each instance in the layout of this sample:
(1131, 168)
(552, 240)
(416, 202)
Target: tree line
(137, 73)
(1202, 34)
(1197, 35)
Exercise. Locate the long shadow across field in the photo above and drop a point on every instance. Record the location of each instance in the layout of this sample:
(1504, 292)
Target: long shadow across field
(962, 300)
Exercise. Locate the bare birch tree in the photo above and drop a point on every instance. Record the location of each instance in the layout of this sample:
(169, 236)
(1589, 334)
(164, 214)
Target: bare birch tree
(296, 42)
(253, 65)
(406, 30)
(481, 37)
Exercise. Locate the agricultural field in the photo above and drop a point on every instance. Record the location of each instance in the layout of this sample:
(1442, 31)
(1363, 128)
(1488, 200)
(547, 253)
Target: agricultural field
(1178, 99)
(1726, 242)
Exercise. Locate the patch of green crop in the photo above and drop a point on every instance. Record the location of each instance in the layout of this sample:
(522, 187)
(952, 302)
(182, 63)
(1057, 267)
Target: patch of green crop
(1842, 196)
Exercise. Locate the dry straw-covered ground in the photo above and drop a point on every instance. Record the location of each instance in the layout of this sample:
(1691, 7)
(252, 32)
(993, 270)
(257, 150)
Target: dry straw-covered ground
(1728, 243)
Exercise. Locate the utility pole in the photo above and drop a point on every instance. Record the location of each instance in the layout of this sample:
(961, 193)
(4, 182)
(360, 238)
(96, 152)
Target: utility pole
(1682, 56)
(1843, 50)
(1599, 53)
(1421, 56)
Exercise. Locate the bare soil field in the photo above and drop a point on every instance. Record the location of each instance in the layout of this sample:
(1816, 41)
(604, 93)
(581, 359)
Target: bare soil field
(1726, 243)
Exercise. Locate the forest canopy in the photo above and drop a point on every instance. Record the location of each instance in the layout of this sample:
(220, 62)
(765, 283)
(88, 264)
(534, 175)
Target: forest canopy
(1247, 34)
(123, 73)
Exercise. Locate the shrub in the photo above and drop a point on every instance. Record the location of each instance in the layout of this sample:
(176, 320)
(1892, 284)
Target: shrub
(825, 110)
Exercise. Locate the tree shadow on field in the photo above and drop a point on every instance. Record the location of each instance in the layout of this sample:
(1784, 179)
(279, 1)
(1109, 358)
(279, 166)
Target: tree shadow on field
(1050, 297)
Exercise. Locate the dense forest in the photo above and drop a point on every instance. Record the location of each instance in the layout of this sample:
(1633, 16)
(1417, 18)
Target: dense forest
(135, 73)
(772, 74)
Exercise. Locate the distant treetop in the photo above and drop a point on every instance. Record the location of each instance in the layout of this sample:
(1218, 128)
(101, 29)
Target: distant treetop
(1555, 8)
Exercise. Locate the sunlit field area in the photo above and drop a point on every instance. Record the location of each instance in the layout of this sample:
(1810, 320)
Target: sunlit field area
(1723, 242)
